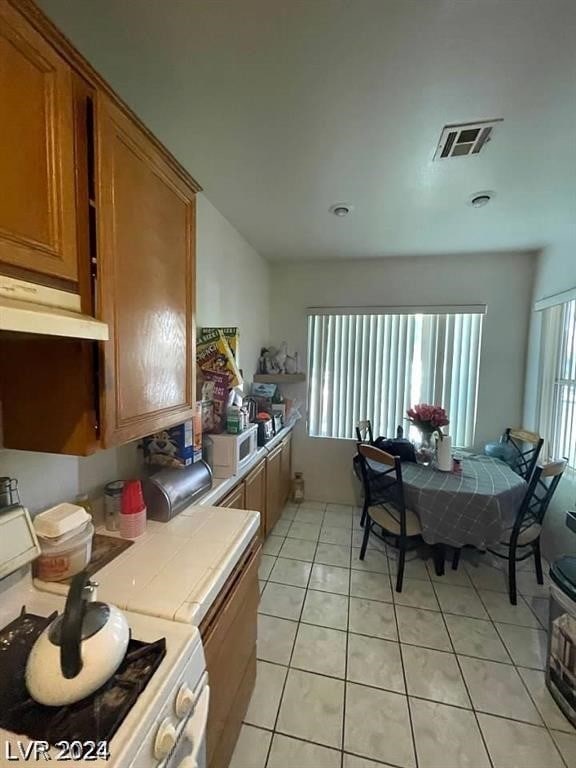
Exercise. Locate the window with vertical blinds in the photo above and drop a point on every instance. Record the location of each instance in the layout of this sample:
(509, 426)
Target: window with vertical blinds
(374, 364)
(558, 381)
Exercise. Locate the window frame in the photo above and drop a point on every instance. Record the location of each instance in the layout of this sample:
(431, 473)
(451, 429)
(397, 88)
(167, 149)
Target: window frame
(557, 355)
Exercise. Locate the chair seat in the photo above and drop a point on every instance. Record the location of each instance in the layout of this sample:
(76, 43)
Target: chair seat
(389, 519)
(527, 536)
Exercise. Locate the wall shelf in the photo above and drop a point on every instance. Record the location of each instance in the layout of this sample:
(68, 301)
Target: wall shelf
(279, 378)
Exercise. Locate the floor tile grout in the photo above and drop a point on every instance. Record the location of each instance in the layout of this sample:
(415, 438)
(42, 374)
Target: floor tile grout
(531, 698)
(394, 602)
(288, 669)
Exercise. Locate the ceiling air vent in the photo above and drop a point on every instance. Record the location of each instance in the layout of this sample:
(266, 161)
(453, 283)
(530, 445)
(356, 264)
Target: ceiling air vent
(465, 139)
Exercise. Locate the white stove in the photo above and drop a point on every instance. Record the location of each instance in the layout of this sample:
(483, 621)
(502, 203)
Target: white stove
(165, 726)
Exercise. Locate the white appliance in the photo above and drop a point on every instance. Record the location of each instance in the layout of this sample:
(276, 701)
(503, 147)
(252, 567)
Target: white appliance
(30, 308)
(227, 454)
(166, 724)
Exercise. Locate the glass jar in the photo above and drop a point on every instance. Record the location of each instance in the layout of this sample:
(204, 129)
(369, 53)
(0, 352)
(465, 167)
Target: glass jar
(426, 449)
(298, 488)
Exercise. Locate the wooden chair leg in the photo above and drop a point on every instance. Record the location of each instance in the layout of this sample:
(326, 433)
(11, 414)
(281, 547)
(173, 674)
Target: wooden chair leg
(538, 562)
(365, 538)
(401, 559)
(456, 559)
(512, 576)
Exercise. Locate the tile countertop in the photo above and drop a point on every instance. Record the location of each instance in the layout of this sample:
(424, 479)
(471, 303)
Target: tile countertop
(175, 570)
(221, 487)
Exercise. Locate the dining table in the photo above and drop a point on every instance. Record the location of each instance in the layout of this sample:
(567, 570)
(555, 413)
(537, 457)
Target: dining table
(471, 507)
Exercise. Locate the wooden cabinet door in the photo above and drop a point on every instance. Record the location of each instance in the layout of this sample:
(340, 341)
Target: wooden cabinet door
(229, 636)
(146, 245)
(37, 186)
(286, 469)
(255, 486)
(235, 499)
(274, 504)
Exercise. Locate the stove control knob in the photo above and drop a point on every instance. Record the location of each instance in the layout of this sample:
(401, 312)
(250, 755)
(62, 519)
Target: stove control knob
(165, 739)
(184, 701)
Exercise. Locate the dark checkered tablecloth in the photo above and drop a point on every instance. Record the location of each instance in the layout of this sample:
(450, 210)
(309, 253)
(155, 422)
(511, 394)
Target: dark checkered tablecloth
(474, 507)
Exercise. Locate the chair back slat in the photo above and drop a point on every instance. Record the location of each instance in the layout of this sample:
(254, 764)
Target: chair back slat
(537, 497)
(523, 435)
(525, 459)
(376, 454)
(553, 468)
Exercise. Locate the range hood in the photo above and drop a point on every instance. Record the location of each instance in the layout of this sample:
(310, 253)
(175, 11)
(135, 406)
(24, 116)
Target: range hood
(30, 308)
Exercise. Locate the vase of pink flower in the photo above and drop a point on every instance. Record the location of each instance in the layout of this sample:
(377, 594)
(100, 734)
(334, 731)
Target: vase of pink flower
(429, 420)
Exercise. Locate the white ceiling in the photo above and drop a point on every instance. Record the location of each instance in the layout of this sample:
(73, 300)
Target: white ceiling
(282, 107)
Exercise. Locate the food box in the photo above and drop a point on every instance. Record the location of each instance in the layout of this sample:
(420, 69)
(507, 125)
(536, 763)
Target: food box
(232, 336)
(178, 446)
(213, 354)
(214, 401)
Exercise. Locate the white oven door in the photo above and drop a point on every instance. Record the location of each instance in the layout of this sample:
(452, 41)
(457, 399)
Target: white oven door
(190, 749)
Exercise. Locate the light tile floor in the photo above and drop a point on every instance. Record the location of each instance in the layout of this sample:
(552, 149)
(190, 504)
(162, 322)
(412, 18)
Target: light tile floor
(351, 674)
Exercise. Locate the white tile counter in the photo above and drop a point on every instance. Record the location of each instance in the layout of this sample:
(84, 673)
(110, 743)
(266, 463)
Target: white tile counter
(175, 570)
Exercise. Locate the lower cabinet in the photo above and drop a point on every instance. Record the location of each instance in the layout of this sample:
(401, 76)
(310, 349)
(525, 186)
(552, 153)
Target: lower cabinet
(274, 503)
(255, 489)
(266, 488)
(236, 499)
(229, 636)
(285, 470)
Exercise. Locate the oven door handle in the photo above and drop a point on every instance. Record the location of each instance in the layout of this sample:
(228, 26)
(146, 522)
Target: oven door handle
(195, 728)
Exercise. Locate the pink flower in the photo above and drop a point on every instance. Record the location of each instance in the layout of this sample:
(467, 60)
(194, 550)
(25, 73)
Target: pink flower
(428, 417)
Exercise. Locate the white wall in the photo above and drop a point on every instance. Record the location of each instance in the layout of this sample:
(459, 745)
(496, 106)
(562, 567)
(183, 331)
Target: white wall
(232, 288)
(502, 281)
(232, 283)
(555, 272)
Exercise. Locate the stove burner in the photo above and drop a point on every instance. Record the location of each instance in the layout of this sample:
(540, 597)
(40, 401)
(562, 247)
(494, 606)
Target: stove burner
(95, 718)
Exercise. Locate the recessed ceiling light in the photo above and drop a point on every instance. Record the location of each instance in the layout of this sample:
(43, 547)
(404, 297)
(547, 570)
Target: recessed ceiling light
(341, 209)
(480, 199)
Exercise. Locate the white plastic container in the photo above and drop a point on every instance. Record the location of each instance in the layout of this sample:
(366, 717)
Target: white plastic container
(65, 536)
(61, 520)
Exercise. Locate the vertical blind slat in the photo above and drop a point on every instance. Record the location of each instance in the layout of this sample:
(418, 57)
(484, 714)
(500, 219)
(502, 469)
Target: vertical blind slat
(376, 366)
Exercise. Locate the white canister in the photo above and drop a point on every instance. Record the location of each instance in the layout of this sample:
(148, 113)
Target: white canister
(444, 454)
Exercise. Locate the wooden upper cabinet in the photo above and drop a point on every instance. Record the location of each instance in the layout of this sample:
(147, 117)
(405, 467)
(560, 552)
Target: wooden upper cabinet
(37, 175)
(146, 285)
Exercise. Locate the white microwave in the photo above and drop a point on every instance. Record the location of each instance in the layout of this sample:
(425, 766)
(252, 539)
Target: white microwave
(229, 454)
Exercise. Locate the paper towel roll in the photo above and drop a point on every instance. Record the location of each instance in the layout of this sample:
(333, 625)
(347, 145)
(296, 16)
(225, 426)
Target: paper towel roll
(444, 454)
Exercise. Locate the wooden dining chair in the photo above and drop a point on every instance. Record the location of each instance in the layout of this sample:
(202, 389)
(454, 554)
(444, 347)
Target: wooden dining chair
(525, 459)
(384, 503)
(522, 540)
